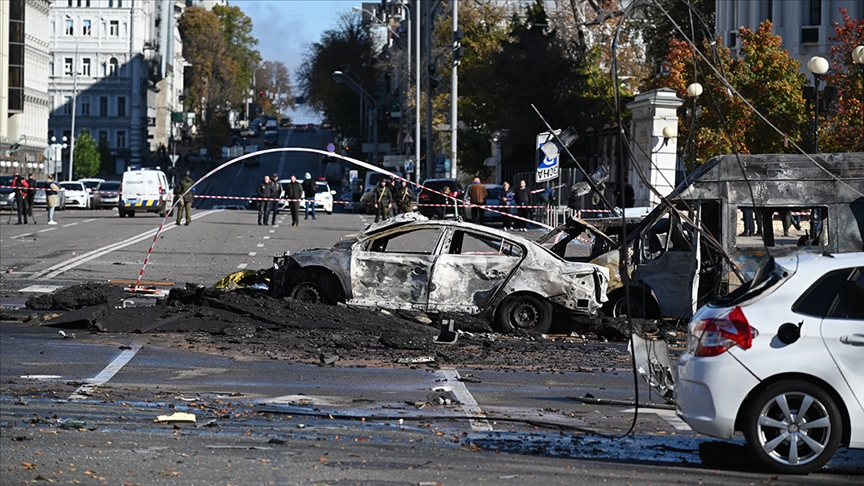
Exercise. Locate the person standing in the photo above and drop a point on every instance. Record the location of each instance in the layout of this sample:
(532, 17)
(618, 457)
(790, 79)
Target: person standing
(509, 199)
(404, 198)
(293, 193)
(184, 197)
(383, 200)
(624, 195)
(309, 190)
(747, 214)
(276, 194)
(441, 201)
(523, 199)
(19, 185)
(477, 195)
(263, 192)
(51, 191)
(31, 195)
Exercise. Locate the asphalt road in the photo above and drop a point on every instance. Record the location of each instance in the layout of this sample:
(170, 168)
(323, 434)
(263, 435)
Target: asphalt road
(85, 409)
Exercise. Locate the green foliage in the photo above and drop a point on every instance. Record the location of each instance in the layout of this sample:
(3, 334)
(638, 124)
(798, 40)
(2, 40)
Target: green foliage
(86, 156)
(657, 30)
(841, 130)
(236, 29)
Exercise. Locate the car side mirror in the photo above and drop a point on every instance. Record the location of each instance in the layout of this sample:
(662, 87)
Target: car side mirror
(788, 333)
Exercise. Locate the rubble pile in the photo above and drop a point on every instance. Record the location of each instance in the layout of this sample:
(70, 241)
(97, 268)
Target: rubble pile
(248, 322)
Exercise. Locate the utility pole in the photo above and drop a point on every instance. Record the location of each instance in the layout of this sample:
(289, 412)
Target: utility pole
(74, 98)
(454, 91)
(417, 97)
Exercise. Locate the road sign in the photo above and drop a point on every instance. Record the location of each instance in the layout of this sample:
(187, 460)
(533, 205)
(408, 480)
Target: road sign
(331, 148)
(173, 158)
(408, 139)
(547, 168)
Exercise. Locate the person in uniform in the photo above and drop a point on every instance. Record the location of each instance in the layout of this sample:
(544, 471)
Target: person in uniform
(382, 199)
(185, 197)
(275, 193)
(404, 198)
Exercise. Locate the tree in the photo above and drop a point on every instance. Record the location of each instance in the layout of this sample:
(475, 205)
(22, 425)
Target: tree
(86, 156)
(764, 74)
(272, 80)
(844, 124)
(347, 48)
(237, 31)
(658, 30)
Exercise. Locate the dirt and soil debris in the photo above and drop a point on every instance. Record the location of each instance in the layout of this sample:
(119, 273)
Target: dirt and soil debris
(244, 322)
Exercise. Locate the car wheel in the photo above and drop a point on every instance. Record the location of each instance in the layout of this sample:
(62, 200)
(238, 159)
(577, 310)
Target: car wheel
(131, 214)
(793, 427)
(618, 305)
(526, 312)
(121, 213)
(308, 293)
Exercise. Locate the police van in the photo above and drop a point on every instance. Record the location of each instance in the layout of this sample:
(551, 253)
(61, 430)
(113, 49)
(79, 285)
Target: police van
(144, 190)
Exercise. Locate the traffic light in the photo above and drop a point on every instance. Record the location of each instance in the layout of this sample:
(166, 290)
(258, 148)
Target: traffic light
(458, 50)
(433, 81)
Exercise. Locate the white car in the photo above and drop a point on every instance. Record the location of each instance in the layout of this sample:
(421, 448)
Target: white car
(782, 360)
(324, 197)
(77, 194)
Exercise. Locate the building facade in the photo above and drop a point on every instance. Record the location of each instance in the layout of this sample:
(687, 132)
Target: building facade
(112, 72)
(24, 106)
(804, 25)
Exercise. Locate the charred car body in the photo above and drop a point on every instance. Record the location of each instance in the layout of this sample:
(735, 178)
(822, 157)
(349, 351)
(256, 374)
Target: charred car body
(675, 268)
(412, 263)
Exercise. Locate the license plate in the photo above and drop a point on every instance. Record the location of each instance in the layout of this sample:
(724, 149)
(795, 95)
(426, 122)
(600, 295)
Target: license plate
(133, 201)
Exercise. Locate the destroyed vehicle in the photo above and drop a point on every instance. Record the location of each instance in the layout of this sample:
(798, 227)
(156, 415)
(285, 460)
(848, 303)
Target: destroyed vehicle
(674, 269)
(412, 263)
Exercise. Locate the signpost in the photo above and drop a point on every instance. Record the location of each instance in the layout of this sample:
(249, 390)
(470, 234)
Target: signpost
(547, 168)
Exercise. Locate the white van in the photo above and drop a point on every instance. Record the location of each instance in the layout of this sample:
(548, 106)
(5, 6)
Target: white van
(144, 190)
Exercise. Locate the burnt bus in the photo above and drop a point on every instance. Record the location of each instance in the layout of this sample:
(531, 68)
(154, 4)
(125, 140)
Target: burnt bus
(801, 203)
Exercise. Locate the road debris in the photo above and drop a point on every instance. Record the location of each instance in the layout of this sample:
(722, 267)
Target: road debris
(177, 417)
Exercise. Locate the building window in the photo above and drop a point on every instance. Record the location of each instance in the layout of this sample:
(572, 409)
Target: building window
(103, 106)
(113, 69)
(114, 28)
(67, 105)
(815, 12)
(85, 106)
(121, 139)
(51, 68)
(69, 29)
(121, 106)
(69, 3)
(103, 137)
(67, 66)
(86, 28)
(110, 3)
(119, 3)
(85, 66)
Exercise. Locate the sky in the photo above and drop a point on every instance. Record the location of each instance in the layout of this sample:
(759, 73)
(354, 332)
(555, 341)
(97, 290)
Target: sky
(284, 29)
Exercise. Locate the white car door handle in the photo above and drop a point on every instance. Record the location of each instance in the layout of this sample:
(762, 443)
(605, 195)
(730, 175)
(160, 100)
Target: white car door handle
(855, 339)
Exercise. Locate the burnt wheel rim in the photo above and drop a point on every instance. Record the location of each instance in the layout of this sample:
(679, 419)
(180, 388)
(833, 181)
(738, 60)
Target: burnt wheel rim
(524, 315)
(308, 293)
(636, 308)
(794, 428)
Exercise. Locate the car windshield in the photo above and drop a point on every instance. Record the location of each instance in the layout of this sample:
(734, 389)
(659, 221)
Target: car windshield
(74, 186)
(90, 184)
(493, 193)
(323, 188)
(438, 185)
(109, 186)
(375, 178)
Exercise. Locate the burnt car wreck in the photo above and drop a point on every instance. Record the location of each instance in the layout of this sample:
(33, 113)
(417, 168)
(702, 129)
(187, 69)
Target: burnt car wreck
(440, 266)
(691, 250)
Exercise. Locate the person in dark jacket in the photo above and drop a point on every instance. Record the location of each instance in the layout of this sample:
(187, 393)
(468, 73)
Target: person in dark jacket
(309, 190)
(275, 193)
(382, 198)
(523, 199)
(263, 192)
(31, 195)
(294, 193)
(20, 187)
(184, 197)
(404, 198)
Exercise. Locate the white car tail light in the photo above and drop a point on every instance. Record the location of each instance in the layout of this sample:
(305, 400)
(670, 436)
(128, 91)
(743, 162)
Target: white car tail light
(713, 336)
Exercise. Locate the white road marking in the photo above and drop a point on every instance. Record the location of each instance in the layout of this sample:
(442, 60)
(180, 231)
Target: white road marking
(252, 253)
(273, 231)
(51, 272)
(469, 405)
(21, 236)
(242, 265)
(668, 415)
(88, 220)
(266, 238)
(41, 377)
(46, 229)
(260, 245)
(105, 375)
(68, 225)
(41, 288)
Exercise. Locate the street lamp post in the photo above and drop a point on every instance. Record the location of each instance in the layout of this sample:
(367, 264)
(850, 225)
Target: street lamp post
(340, 77)
(74, 99)
(57, 154)
(416, 121)
(818, 66)
(694, 90)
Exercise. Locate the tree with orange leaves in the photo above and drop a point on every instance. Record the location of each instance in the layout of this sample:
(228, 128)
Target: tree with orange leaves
(841, 130)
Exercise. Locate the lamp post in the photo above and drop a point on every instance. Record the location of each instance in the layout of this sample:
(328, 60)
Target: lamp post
(74, 99)
(694, 90)
(340, 77)
(818, 66)
(57, 153)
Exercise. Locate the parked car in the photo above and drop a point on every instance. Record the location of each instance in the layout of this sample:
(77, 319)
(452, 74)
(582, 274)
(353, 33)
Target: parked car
(92, 184)
(780, 359)
(300, 127)
(413, 263)
(77, 194)
(41, 199)
(285, 122)
(107, 195)
(428, 197)
(7, 194)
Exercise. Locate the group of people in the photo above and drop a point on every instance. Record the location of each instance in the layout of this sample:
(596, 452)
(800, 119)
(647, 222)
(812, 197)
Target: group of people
(519, 199)
(388, 199)
(271, 190)
(25, 195)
